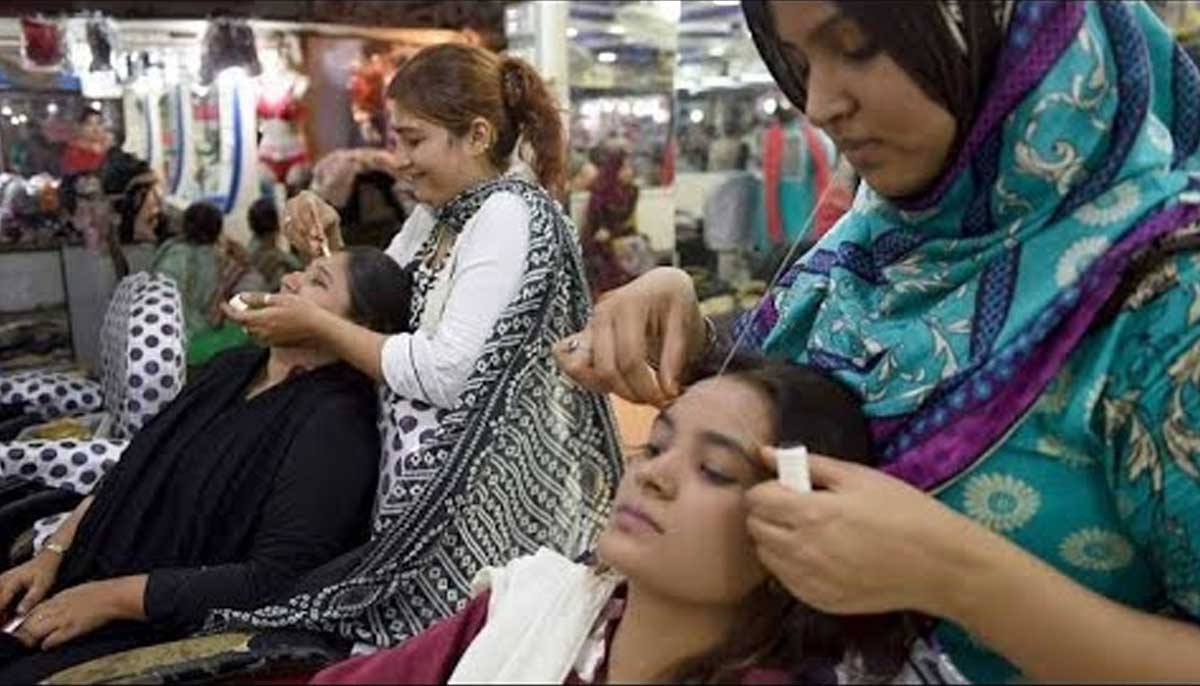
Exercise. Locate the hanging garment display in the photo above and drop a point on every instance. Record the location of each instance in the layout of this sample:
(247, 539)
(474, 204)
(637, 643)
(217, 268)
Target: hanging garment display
(228, 43)
(43, 47)
(100, 39)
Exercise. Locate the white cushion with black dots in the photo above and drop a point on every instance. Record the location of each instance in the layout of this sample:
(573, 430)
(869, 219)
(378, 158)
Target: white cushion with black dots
(50, 395)
(142, 351)
(71, 465)
(406, 427)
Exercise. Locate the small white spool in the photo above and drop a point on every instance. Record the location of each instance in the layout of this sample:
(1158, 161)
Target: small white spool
(238, 304)
(793, 468)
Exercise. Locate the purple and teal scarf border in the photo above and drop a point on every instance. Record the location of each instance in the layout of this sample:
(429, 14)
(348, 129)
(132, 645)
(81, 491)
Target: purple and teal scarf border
(972, 410)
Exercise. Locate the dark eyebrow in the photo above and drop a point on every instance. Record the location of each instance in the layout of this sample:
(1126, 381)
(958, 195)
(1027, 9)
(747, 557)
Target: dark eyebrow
(720, 440)
(665, 419)
(402, 129)
(717, 439)
(813, 33)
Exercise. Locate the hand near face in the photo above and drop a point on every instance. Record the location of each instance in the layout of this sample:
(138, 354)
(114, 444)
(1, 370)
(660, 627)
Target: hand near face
(74, 612)
(309, 222)
(278, 318)
(864, 543)
(656, 317)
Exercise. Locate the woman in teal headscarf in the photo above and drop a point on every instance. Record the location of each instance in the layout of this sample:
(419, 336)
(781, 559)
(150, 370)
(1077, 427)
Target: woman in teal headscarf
(1014, 296)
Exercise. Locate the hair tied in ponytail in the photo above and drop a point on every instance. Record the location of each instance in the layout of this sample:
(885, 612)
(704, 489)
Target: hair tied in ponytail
(512, 88)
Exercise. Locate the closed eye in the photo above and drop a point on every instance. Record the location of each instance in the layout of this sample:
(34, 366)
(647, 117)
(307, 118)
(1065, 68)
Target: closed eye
(716, 477)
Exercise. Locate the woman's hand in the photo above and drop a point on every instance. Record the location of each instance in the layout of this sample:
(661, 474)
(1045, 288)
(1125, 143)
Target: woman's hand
(72, 613)
(309, 222)
(654, 318)
(279, 319)
(30, 582)
(867, 543)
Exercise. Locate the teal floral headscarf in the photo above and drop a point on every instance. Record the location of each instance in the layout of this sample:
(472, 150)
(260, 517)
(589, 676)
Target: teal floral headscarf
(950, 313)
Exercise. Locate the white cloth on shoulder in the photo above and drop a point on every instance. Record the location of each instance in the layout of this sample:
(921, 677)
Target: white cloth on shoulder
(541, 611)
(544, 608)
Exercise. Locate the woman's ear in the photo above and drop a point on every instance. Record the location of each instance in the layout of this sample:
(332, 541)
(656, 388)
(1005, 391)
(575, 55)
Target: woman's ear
(480, 137)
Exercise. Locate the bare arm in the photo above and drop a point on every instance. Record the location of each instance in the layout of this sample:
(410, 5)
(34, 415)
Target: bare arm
(357, 345)
(1055, 630)
(65, 535)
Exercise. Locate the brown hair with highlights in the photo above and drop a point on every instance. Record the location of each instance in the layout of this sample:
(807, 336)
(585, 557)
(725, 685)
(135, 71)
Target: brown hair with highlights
(452, 85)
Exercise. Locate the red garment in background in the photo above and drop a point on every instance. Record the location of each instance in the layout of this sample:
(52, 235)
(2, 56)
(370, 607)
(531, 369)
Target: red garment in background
(834, 204)
(667, 171)
(77, 159)
(830, 200)
(773, 141)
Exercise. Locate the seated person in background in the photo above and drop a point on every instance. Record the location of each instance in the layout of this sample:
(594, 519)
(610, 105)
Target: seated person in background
(263, 469)
(610, 219)
(679, 594)
(268, 260)
(207, 271)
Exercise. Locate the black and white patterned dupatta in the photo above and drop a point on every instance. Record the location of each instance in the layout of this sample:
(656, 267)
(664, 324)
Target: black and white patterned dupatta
(525, 459)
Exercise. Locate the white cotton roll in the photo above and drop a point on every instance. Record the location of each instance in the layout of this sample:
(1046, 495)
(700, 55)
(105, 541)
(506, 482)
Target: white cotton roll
(14, 624)
(793, 468)
(238, 304)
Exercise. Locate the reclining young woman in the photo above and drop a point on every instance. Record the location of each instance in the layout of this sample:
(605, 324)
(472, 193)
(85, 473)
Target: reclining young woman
(223, 500)
(678, 594)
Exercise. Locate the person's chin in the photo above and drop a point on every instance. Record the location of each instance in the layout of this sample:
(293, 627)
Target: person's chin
(622, 549)
(895, 181)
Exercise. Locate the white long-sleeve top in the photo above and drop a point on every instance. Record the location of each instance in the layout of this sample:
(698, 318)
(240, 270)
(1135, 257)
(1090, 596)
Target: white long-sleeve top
(479, 279)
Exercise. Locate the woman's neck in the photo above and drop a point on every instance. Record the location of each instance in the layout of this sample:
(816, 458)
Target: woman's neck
(284, 362)
(480, 172)
(657, 632)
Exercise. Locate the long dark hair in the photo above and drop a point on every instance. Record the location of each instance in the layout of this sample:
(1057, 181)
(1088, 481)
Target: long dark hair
(128, 180)
(380, 290)
(774, 630)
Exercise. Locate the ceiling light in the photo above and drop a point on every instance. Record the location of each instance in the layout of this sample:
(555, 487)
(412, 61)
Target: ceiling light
(572, 32)
(606, 57)
(696, 116)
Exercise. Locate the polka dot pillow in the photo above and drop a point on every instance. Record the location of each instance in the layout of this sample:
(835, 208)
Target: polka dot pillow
(406, 427)
(142, 351)
(50, 395)
(71, 465)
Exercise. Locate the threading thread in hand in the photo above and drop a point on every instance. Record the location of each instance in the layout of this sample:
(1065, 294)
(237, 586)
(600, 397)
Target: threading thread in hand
(783, 266)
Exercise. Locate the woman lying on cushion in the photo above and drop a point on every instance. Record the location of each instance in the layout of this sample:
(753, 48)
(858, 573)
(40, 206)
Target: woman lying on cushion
(679, 595)
(263, 469)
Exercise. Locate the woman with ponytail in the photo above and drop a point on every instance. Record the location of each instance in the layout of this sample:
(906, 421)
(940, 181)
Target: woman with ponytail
(489, 451)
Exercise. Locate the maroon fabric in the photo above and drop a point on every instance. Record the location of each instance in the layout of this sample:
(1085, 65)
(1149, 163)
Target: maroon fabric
(612, 201)
(429, 658)
(610, 209)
